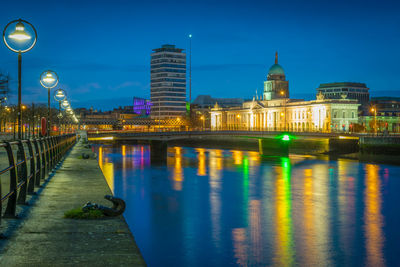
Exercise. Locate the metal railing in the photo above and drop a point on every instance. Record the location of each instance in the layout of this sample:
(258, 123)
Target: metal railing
(29, 161)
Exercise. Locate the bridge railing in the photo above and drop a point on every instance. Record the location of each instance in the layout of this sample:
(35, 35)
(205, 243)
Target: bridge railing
(27, 163)
(210, 133)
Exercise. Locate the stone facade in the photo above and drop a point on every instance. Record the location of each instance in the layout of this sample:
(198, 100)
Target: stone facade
(276, 112)
(324, 115)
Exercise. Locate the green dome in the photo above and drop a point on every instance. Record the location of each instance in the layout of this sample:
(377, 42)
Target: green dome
(276, 69)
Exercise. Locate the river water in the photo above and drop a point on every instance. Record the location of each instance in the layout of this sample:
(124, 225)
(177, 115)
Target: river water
(214, 207)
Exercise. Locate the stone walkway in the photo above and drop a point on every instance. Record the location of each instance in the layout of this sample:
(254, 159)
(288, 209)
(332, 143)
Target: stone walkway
(45, 238)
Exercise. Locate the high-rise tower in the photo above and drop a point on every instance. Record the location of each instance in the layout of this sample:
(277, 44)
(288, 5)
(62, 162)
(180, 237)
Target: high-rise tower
(168, 82)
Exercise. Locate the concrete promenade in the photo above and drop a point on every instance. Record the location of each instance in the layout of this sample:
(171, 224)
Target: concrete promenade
(44, 238)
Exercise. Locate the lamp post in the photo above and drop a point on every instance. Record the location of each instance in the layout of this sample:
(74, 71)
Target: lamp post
(190, 69)
(284, 108)
(65, 105)
(59, 96)
(19, 39)
(203, 119)
(49, 80)
(23, 107)
(190, 78)
(373, 109)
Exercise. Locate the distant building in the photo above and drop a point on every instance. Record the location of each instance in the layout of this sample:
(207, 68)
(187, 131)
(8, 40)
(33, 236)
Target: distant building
(205, 101)
(386, 106)
(383, 115)
(347, 90)
(276, 112)
(141, 106)
(168, 82)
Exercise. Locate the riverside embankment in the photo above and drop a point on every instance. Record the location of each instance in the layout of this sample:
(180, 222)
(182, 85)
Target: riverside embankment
(44, 237)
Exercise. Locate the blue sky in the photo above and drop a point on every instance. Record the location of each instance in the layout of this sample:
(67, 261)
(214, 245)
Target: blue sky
(101, 49)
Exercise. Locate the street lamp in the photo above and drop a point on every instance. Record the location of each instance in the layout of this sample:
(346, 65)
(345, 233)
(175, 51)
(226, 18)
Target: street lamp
(190, 69)
(23, 107)
(59, 96)
(203, 119)
(373, 109)
(65, 105)
(19, 36)
(49, 80)
(283, 94)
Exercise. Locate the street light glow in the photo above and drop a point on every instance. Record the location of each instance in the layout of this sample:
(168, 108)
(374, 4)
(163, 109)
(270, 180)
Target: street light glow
(20, 34)
(49, 78)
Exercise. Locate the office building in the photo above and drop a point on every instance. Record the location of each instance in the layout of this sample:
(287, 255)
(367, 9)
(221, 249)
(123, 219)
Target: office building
(347, 90)
(168, 82)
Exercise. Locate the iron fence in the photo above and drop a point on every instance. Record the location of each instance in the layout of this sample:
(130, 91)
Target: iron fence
(29, 161)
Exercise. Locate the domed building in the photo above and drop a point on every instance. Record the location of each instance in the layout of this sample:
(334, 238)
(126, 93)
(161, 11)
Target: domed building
(276, 85)
(277, 112)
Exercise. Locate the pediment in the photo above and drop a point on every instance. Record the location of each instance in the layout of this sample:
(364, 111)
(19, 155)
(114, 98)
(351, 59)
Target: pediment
(257, 105)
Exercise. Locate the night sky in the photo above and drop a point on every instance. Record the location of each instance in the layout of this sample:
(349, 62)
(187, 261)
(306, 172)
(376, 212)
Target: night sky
(101, 49)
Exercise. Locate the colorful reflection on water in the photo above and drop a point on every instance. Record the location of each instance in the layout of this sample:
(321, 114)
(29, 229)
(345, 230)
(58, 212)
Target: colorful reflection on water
(213, 207)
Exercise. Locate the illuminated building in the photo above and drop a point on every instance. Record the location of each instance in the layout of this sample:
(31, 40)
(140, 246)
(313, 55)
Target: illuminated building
(384, 114)
(348, 90)
(168, 82)
(141, 106)
(201, 109)
(276, 112)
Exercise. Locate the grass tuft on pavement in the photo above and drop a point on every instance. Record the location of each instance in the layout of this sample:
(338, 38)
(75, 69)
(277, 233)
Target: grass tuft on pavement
(79, 214)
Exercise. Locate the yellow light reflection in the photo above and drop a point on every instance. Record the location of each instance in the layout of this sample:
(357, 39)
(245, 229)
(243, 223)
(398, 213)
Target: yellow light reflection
(215, 166)
(237, 157)
(201, 171)
(309, 217)
(284, 242)
(100, 138)
(107, 168)
(178, 171)
(373, 217)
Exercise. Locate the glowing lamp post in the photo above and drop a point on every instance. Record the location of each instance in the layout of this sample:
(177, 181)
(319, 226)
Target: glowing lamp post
(59, 96)
(65, 105)
(374, 111)
(19, 36)
(49, 80)
(203, 119)
(284, 109)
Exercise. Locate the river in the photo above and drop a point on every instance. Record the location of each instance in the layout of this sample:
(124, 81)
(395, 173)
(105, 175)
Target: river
(215, 207)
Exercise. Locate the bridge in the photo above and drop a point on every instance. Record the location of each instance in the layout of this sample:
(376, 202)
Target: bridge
(268, 143)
